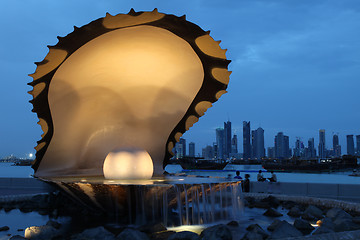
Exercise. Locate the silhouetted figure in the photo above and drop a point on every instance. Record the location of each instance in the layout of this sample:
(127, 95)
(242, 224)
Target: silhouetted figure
(246, 183)
(273, 177)
(260, 177)
(238, 175)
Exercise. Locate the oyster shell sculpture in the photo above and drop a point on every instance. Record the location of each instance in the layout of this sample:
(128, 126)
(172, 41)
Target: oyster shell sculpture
(133, 81)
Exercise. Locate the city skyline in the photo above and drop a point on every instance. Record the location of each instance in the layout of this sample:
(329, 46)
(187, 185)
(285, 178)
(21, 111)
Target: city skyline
(295, 68)
(279, 148)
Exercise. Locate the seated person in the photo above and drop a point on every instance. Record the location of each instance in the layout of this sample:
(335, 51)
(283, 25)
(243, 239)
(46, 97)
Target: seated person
(238, 175)
(273, 177)
(260, 177)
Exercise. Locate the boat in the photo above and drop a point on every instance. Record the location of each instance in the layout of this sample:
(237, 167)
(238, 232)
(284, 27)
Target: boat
(197, 163)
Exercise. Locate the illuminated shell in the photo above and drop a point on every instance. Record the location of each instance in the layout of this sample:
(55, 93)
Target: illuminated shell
(213, 84)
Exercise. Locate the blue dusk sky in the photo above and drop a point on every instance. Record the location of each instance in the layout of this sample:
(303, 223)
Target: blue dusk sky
(296, 64)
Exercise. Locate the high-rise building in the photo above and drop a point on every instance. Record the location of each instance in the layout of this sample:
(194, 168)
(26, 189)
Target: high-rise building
(322, 148)
(227, 138)
(234, 144)
(208, 152)
(271, 152)
(297, 149)
(336, 146)
(180, 148)
(311, 152)
(220, 142)
(258, 148)
(192, 149)
(253, 145)
(358, 145)
(282, 150)
(350, 145)
(246, 140)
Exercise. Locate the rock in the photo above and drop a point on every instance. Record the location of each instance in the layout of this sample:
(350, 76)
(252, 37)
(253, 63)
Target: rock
(217, 232)
(53, 224)
(252, 236)
(255, 228)
(4, 228)
(184, 235)
(132, 234)
(345, 224)
(273, 225)
(303, 226)
(294, 212)
(260, 204)
(152, 228)
(356, 220)
(308, 216)
(93, 234)
(336, 213)
(41, 232)
(17, 237)
(285, 230)
(162, 235)
(273, 201)
(314, 211)
(272, 213)
(326, 223)
(288, 204)
(322, 230)
(233, 224)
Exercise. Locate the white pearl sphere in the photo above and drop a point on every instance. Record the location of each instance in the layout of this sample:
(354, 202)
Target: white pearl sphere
(128, 163)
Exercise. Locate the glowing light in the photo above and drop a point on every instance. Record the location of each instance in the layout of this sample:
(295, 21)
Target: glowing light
(128, 164)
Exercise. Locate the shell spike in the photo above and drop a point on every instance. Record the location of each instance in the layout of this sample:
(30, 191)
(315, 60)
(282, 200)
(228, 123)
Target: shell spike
(183, 17)
(155, 10)
(132, 11)
(219, 41)
(108, 14)
(75, 28)
(208, 32)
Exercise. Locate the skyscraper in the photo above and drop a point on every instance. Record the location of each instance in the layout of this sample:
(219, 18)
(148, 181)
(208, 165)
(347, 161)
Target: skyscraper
(258, 143)
(253, 145)
(246, 140)
(180, 148)
(282, 150)
(234, 144)
(336, 146)
(220, 142)
(208, 152)
(192, 149)
(227, 138)
(350, 145)
(311, 153)
(358, 145)
(322, 149)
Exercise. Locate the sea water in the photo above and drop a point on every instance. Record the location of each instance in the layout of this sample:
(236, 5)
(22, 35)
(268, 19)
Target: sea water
(7, 170)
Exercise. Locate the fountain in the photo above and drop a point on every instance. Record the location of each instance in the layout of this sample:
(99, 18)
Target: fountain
(113, 97)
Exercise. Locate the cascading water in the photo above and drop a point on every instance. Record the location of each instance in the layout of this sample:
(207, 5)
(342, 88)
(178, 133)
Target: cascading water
(173, 201)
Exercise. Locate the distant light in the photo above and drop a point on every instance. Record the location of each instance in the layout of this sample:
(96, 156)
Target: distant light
(31, 155)
(83, 180)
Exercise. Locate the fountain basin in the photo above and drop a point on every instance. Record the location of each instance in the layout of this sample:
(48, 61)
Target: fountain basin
(172, 200)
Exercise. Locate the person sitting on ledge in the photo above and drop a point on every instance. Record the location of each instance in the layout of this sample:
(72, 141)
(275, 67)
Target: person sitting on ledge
(260, 177)
(238, 175)
(273, 177)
